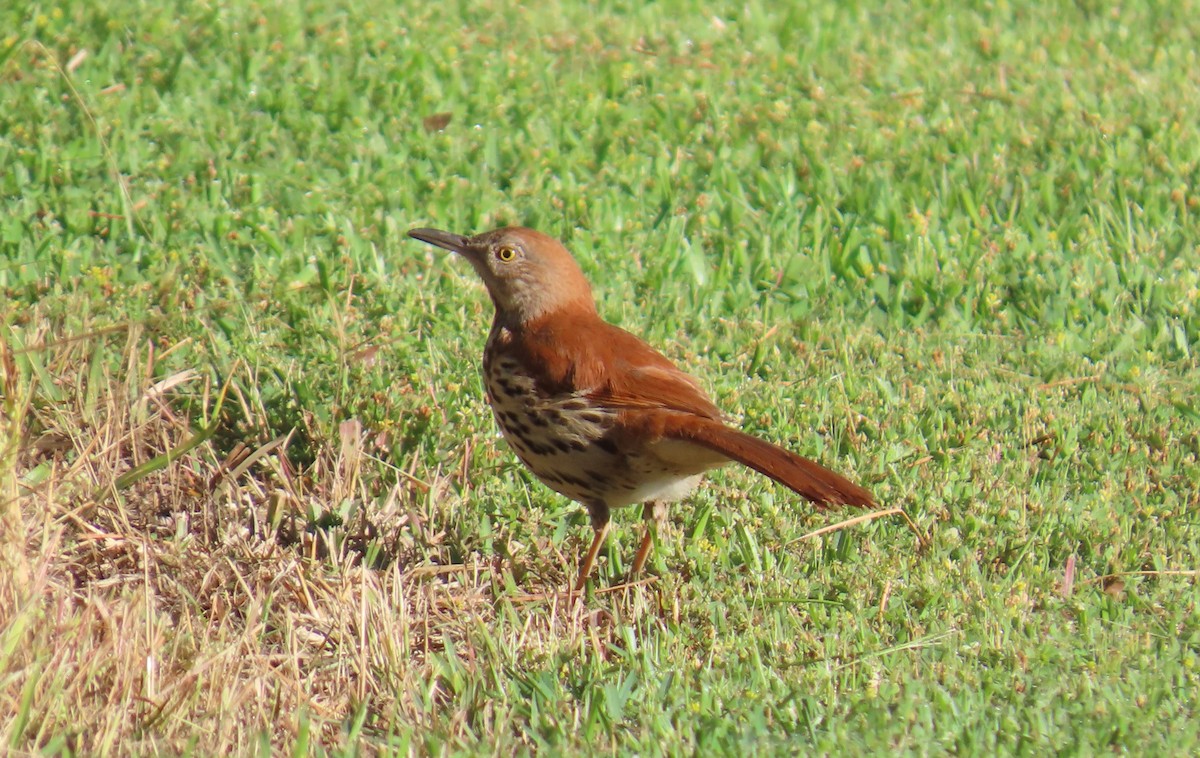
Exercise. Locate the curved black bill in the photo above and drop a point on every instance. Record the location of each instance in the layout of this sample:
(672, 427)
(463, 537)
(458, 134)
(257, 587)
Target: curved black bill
(447, 240)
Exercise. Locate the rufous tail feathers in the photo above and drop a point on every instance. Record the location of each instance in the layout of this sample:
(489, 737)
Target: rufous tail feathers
(808, 479)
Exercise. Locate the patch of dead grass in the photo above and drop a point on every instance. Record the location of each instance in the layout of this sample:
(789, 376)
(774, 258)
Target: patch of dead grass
(189, 606)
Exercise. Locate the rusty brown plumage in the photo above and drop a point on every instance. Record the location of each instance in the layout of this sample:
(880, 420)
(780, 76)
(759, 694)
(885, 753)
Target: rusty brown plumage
(596, 413)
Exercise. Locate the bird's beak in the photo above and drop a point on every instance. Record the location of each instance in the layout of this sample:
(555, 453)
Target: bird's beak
(454, 242)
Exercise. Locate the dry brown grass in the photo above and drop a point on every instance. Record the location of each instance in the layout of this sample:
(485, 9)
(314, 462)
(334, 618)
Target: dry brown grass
(157, 601)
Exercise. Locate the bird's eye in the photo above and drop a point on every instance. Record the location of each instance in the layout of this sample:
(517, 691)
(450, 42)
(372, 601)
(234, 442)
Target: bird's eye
(506, 254)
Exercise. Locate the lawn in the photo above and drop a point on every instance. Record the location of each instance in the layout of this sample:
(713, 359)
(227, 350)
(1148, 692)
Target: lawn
(252, 499)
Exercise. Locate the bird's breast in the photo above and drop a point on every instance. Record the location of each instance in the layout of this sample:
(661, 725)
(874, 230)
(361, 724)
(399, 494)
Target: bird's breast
(562, 438)
(579, 448)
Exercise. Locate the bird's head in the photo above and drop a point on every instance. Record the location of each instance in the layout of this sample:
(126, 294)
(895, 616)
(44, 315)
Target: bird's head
(528, 274)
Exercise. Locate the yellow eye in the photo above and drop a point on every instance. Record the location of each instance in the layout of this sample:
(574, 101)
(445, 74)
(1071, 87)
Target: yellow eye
(506, 254)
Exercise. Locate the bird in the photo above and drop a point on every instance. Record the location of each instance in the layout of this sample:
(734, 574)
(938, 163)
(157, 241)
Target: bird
(593, 411)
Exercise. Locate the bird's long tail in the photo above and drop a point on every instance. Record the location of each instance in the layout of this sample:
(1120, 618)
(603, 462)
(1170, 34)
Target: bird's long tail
(808, 479)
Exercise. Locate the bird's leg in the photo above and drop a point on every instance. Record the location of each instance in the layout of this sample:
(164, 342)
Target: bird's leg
(599, 514)
(654, 513)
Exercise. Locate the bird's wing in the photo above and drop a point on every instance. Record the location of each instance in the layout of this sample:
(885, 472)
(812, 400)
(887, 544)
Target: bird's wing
(649, 387)
(657, 401)
(609, 366)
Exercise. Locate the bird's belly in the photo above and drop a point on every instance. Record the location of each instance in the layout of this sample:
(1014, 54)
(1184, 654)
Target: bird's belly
(564, 443)
(577, 448)
(668, 470)
(574, 449)
(588, 471)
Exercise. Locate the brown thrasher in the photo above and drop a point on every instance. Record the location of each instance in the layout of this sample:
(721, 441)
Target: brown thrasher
(594, 412)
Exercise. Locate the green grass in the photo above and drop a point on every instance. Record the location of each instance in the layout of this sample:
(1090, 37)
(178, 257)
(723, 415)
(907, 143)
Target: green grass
(951, 251)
